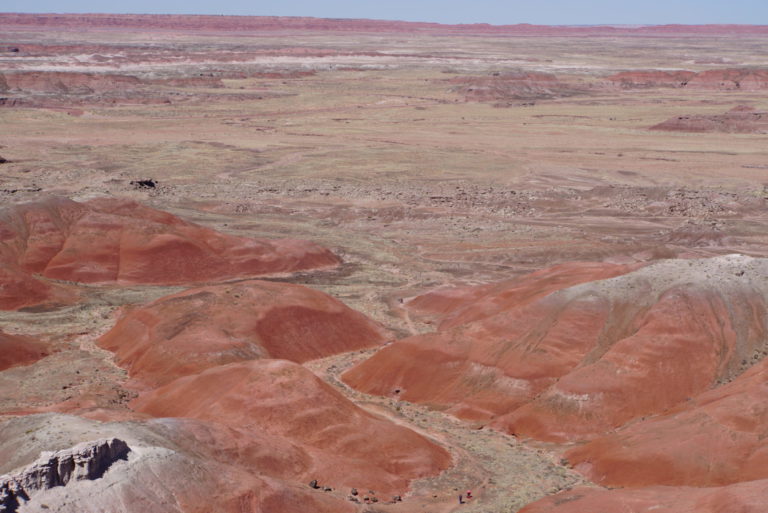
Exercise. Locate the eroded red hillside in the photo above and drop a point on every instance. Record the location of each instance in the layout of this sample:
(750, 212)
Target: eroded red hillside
(189, 332)
(66, 82)
(348, 446)
(585, 359)
(714, 439)
(16, 351)
(120, 241)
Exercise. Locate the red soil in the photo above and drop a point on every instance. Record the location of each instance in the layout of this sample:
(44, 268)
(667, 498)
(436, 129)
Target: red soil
(580, 361)
(189, 332)
(348, 446)
(495, 351)
(19, 290)
(748, 497)
(16, 351)
(716, 438)
(462, 305)
(742, 119)
(113, 240)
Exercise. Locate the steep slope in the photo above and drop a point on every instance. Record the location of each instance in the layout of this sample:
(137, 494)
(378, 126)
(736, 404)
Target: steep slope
(19, 290)
(717, 438)
(348, 446)
(188, 332)
(119, 241)
(589, 358)
(455, 306)
(17, 351)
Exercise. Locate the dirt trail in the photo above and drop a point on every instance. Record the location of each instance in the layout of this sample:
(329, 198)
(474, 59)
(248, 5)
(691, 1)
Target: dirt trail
(502, 473)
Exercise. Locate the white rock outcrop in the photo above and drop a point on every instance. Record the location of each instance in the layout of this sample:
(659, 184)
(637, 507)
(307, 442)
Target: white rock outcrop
(85, 461)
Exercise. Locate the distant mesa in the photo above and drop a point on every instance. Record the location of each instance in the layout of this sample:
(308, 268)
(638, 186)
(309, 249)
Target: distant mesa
(739, 120)
(191, 331)
(67, 82)
(149, 23)
(584, 359)
(513, 88)
(84, 83)
(118, 241)
(20, 290)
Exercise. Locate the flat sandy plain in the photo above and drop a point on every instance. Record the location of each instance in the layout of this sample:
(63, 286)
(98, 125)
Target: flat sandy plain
(420, 159)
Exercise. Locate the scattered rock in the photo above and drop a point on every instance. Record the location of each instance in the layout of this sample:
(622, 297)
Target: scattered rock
(144, 184)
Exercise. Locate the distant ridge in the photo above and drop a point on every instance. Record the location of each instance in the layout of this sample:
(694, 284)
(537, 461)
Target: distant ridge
(10, 21)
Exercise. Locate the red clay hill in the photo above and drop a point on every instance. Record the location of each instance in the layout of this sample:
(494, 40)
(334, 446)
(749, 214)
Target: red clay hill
(585, 359)
(189, 332)
(123, 242)
(346, 446)
(16, 351)
(707, 454)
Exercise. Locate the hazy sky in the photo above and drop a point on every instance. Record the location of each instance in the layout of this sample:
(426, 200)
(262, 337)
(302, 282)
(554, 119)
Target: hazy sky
(558, 12)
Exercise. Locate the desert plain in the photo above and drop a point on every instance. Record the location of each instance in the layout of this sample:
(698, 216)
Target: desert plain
(288, 264)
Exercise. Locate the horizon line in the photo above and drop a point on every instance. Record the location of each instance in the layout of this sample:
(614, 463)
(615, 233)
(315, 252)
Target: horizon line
(467, 24)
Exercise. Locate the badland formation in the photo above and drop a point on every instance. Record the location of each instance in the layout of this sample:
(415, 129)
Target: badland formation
(291, 264)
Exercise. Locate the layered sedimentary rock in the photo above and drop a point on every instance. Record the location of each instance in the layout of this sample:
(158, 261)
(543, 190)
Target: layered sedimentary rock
(16, 351)
(716, 438)
(120, 241)
(590, 358)
(189, 332)
(513, 87)
(347, 445)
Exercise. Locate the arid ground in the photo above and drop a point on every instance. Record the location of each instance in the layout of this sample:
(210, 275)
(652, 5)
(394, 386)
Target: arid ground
(426, 171)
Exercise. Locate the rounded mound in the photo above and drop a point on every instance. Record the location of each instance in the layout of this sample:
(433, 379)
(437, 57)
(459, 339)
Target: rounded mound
(188, 332)
(349, 446)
